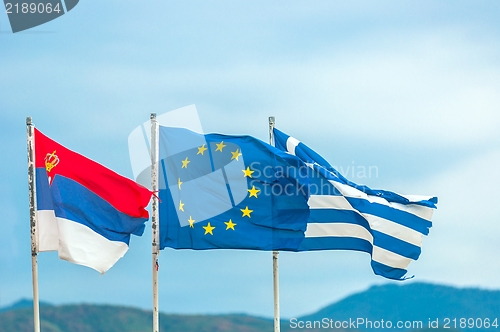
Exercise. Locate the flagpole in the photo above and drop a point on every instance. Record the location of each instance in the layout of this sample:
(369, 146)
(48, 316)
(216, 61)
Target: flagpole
(30, 133)
(275, 254)
(154, 218)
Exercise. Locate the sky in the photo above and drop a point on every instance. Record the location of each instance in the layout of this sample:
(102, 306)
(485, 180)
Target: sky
(407, 89)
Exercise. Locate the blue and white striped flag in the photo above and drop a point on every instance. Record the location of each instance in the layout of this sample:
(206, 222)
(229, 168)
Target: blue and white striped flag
(347, 216)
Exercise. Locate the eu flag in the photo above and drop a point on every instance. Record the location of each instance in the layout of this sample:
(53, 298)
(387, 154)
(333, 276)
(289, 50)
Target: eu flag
(229, 192)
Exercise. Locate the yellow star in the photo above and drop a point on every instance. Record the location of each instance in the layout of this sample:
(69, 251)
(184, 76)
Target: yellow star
(230, 225)
(246, 212)
(202, 149)
(247, 172)
(236, 154)
(220, 146)
(208, 229)
(191, 222)
(253, 192)
(179, 182)
(185, 163)
(181, 206)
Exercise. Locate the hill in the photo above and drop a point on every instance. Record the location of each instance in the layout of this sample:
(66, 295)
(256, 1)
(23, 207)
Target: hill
(415, 302)
(107, 318)
(24, 303)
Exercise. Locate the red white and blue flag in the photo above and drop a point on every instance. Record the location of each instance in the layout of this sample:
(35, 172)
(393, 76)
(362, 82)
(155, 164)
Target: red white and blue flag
(85, 211)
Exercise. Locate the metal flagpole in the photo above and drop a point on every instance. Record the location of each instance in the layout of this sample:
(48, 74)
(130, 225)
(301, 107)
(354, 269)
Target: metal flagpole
(275, 254)
(154, 218)
(276, 292)
(30, 133)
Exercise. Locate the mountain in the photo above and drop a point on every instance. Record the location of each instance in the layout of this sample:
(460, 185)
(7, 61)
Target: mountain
(419, 302)
(23, 303)
(415, 302)
(107, 318)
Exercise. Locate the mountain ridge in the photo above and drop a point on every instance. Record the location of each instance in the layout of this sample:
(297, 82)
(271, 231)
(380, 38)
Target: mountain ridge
(424, 302)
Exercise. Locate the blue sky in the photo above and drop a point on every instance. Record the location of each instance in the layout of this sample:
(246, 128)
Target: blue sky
(410, 88)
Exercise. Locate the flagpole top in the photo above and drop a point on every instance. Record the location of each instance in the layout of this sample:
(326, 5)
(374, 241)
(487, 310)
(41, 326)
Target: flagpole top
(152, 116)
(271, 119)
(28, 121)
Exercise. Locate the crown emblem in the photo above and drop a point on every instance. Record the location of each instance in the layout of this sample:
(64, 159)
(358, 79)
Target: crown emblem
(51, 161)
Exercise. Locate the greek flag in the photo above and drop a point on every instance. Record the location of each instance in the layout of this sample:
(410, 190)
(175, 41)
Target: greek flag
(346, 216)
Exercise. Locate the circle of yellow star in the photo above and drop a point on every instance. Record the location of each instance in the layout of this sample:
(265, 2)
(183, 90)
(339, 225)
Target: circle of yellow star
(236, 154)
(208, 229)
(179, 182)
(220, 146)
(185, 163)
(247, 172)
(181, 206)
(191, 222)
(230, 225)
(246, 212)
(202, 149)
(253, 192)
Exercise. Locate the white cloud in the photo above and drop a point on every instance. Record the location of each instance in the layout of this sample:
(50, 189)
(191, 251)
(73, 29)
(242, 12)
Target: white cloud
(325, 71)
(462, 246)
(425, 87)
(431, 89)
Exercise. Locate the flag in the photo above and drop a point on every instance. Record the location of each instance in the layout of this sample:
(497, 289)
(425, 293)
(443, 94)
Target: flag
(346, 216)
(228, 192)
(85, 211)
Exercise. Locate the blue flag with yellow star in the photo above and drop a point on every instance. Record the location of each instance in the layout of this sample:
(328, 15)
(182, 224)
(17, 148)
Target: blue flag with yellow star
(229, 192)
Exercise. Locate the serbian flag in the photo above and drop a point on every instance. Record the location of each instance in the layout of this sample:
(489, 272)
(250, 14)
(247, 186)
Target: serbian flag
(85, 211)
